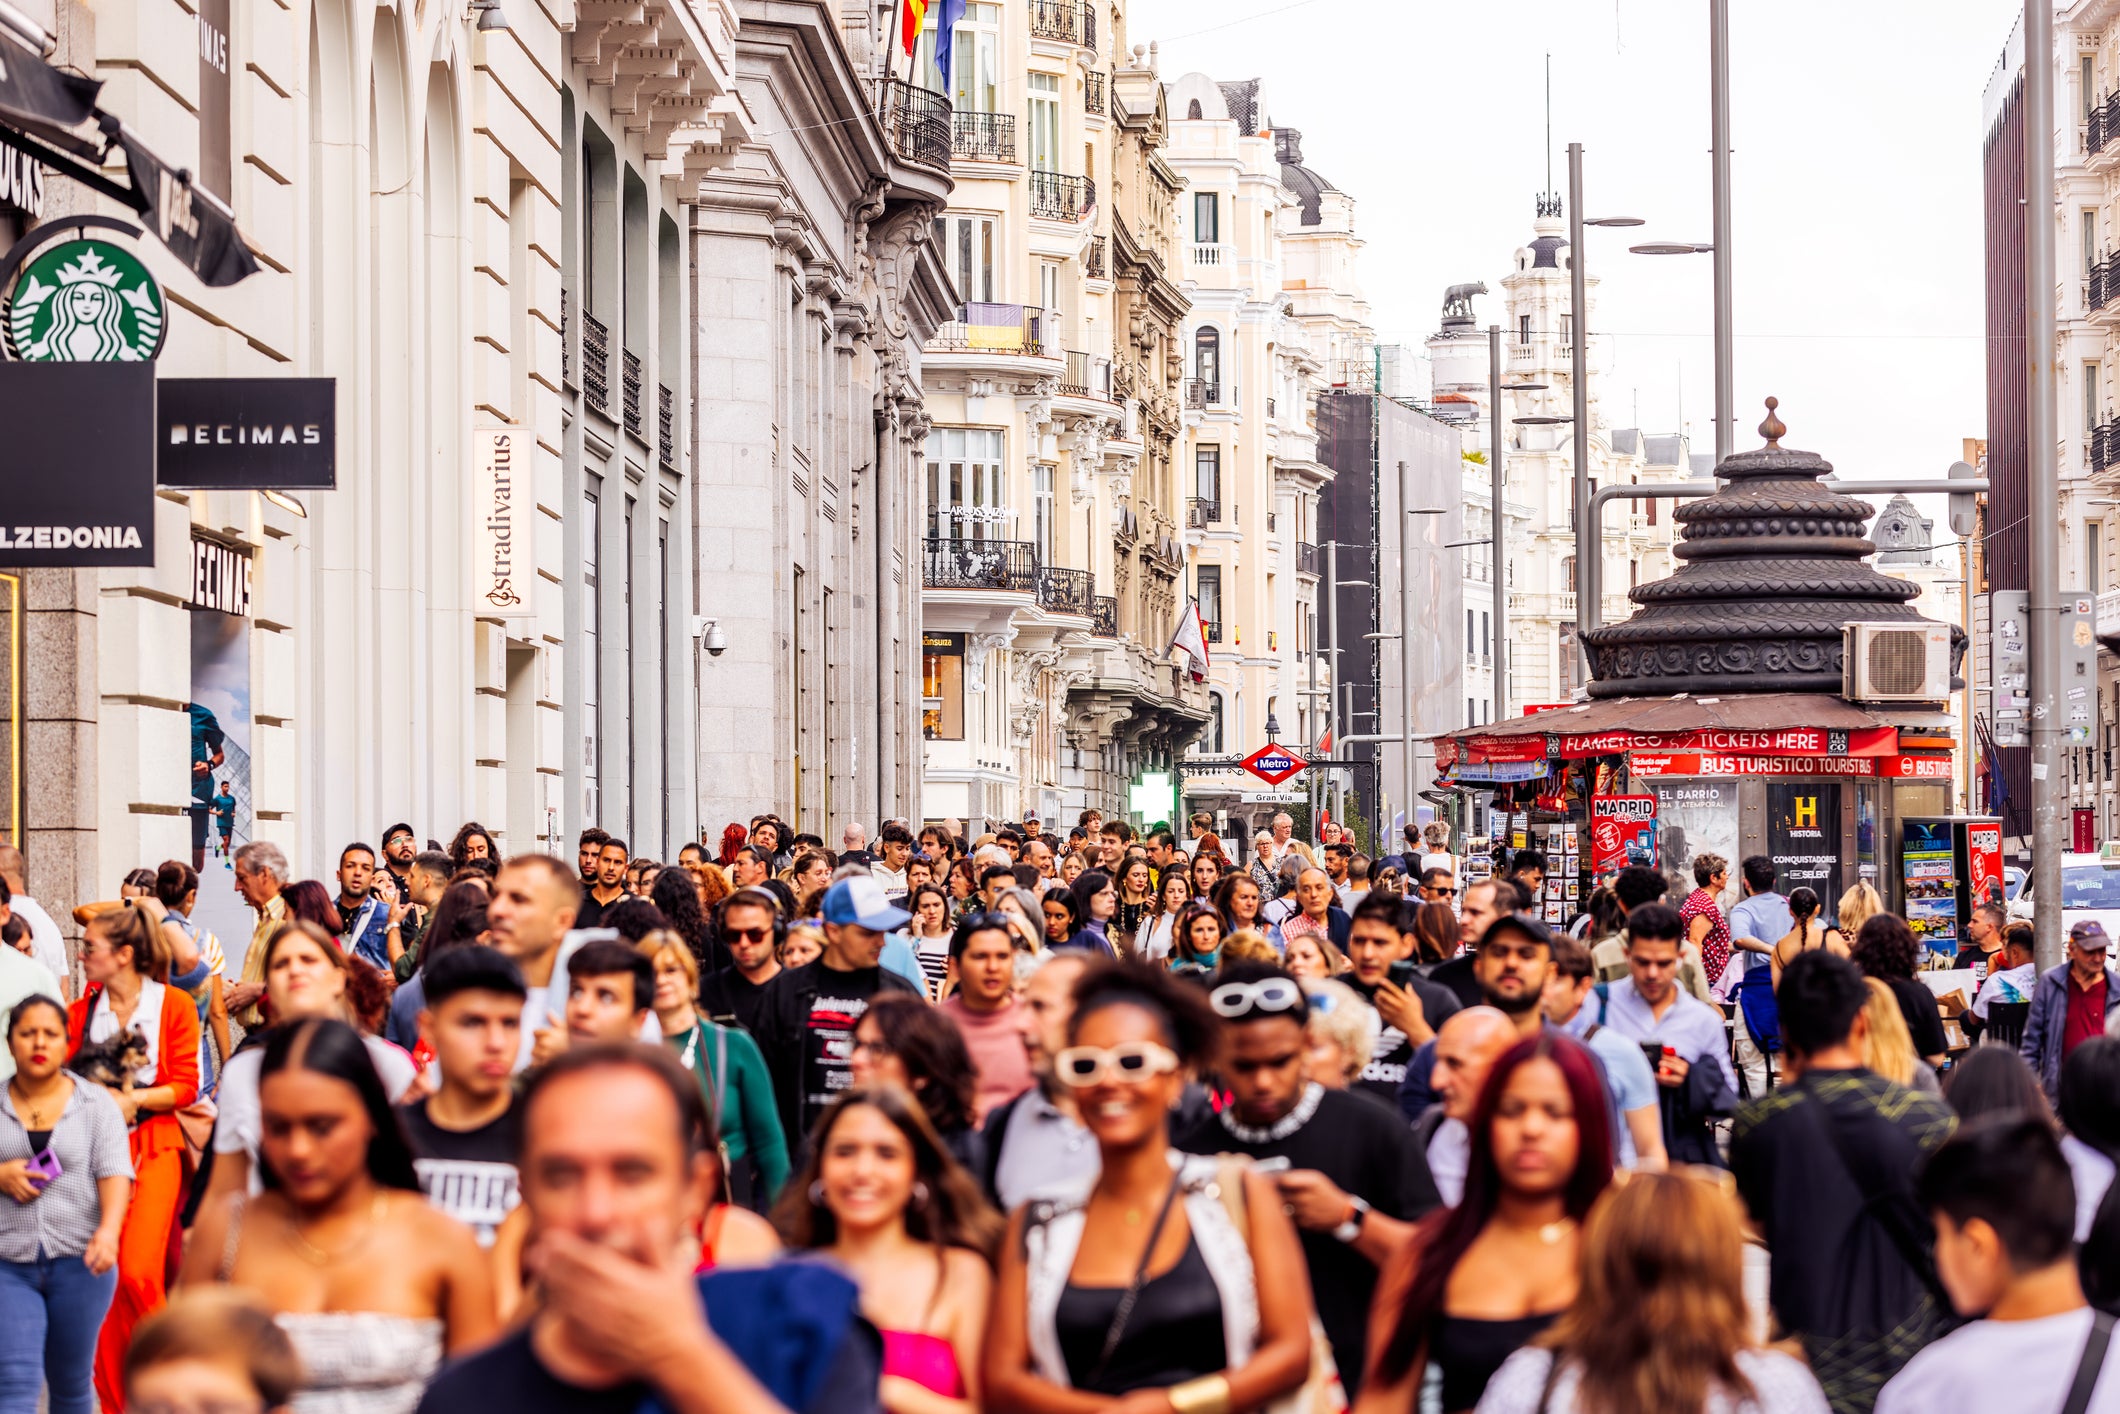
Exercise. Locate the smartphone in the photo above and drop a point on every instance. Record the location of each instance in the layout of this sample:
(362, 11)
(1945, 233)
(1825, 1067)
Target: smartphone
(44, 1169)
(1403, 971)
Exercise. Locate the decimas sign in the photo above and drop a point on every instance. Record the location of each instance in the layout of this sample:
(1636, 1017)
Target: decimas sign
(1273, 764)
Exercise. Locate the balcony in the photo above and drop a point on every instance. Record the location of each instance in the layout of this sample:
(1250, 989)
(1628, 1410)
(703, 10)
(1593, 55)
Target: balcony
(1208, 253)
(1093, 259)
(1007, 328)
(1066, 591)
(2105, 446)
(1200, 393)
(631, 386)
(566, 355)
(666, 426)
(1093, 100)
(1214, 630)
(1307, 558)
(1201, 513)
(1104, 616)
(1009, 565)
(596, 363)
(2106, 621)
(1087, 377)
(1069, 21)
(916, 122)
(1058, 197)
(2101, 129)
(983, 137)
(2103, 283)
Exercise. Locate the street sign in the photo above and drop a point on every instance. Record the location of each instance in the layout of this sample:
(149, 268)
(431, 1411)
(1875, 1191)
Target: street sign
(1272, 764)
(2010, 664)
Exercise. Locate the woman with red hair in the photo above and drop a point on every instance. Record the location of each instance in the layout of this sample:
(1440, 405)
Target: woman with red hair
(733, 838)
(1476, 1282)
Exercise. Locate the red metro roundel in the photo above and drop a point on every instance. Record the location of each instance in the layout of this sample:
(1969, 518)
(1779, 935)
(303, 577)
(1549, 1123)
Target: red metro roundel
(1273, 764)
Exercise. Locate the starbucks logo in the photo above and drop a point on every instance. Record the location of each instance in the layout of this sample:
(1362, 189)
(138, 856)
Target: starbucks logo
(85, 301)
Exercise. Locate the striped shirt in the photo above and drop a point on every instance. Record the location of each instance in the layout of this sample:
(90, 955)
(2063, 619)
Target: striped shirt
(91, 1144)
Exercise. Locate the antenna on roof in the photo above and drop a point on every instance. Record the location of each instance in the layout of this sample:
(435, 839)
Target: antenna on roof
(1549, 203)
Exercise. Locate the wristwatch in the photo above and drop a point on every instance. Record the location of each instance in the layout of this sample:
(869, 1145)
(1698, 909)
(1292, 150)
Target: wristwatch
(1351, 1229)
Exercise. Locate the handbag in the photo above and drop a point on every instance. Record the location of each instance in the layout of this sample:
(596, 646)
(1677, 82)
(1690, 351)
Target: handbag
(1321, 1391)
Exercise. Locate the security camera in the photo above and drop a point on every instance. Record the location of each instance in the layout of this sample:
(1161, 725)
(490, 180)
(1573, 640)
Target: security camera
(714, 638)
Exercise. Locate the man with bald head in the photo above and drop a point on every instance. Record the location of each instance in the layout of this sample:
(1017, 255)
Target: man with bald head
(1466, 1048)
(1316, 910)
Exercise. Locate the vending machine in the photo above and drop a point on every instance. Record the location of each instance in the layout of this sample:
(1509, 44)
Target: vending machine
(1948, 866)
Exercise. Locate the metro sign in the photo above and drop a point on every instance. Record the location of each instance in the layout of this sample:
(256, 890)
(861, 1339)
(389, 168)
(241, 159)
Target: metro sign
(1273, 764)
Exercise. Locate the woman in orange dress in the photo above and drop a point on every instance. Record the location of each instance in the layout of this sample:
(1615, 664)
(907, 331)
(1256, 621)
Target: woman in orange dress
(126, 962)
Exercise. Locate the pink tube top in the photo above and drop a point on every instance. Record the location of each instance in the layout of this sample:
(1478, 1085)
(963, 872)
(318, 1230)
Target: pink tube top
(927, 1360)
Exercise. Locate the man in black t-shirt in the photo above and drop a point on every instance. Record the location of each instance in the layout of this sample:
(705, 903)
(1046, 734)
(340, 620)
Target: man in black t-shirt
(616, 1175)
(1349, 1171)
(465, 1136)
(806, 1027)
(745, 924)
(1379, 939)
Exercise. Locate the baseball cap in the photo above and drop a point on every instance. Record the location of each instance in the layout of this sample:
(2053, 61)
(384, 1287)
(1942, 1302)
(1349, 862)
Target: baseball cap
(2088, 933)
(1522, 924)
(862, 902)
(400, 829)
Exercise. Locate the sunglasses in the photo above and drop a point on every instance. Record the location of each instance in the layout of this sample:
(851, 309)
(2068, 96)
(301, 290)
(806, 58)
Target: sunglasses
(1442, 892)
(748, 935)
(1271, 994)
(1129, 1061)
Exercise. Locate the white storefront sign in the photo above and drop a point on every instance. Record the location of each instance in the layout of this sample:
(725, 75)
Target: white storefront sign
(501, 586)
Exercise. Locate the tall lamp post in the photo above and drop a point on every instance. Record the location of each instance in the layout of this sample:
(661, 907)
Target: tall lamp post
(2042, 480)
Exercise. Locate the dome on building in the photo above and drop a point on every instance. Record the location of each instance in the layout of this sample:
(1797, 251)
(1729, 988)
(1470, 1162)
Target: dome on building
(1547, 241)
(1902, 533)
(1308, 186)
(1773, 566)
(1195, 95)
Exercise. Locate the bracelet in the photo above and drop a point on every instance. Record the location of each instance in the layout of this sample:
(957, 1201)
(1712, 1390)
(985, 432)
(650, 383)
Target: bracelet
(1207, 1395)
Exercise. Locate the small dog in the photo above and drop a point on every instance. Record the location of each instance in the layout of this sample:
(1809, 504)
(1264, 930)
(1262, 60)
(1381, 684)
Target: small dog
(111, 1063)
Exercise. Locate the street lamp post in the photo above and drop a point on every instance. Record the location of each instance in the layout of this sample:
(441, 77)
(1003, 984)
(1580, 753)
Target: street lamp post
(2042, 480)
(1499, 696)
(1719, 166)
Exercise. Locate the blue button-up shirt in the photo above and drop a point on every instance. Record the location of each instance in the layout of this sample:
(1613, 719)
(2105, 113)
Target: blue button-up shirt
(1763, 918)
(1691, 1027)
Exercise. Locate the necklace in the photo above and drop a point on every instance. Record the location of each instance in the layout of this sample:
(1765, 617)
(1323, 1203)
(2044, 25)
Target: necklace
(1295, 1119)
(317, 1256)
(1548, 1234)
(33, 1108)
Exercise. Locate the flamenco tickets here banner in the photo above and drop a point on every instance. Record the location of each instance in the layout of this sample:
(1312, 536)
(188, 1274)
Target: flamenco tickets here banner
(1792, 741)
(1895, 767)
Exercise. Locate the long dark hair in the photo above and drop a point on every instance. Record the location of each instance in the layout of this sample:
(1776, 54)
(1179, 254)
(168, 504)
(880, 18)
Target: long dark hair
(1181, 931)
(310, 902)
(1226, 892)
(1435, 932)
(462, 842)
(1445, 1236)
(459, 917)
(173, 881)
(954, 1214)
(678, 898)
(1088, 884)
(937, 1064)
(334, 1049)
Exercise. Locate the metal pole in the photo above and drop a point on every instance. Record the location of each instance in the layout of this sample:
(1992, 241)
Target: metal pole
(1496, 521)
(2042, 481)
(1587, 544)
(1406, 643)
(1719, 106)
(1332, 665)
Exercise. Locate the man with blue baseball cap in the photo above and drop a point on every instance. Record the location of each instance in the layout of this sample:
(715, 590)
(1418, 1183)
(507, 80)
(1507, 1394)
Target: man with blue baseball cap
(807, 1023)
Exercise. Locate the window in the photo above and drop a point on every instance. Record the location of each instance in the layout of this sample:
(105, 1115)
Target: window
(2093, 557)
(1207, 360)
(1207, 218)
(942, 686)
(1045, 123)
(964, 484)
(1207, 587)
(1207, 470)
(967, 244)
(2084, 76)
(1652, 510)
(1049, 286)
(1567, 329)
(2089, 221)
(1472, 651)
(2090, 398)
(1486, 637)
(1212, 737)
(1192, 110)
(1523, 328)
(1042, 510)
(592, 660)
(1566, 648)
(975, 54)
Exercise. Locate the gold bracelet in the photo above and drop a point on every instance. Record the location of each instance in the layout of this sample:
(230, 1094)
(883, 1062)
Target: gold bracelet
(1207, 1395)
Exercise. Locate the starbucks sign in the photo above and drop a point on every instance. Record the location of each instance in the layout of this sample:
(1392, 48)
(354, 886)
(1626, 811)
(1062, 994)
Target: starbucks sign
(85, 301)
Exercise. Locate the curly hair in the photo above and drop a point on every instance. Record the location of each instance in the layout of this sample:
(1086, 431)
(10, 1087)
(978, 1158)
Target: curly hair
(953, 1212)
(462, 841)
(678, 898)
(1886, 948)
(733, 838)
(937, 1063)
(1181, 1009)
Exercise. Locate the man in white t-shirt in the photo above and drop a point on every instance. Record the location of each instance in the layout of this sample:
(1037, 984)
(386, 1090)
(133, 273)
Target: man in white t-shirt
(535, 900)
(2004, 1208)
(47, 944)
(2013, 981)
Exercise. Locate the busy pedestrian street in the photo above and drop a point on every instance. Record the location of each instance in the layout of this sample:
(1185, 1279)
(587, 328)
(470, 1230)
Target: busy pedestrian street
(1059, 707)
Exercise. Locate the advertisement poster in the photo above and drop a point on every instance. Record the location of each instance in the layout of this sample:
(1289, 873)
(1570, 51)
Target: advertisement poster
(1803, 840)
(1693, 818)
(1927, 867)
(1985, 882)
(1622, 832)
(220, 772)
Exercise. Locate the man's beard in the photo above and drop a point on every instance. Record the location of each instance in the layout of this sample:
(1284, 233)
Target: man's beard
(1510, 1006)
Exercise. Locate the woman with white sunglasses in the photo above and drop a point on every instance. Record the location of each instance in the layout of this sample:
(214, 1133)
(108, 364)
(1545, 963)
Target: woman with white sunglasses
(1149, 1282)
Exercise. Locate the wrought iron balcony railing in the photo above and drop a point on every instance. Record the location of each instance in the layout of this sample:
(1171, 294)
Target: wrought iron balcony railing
(1066, 591)
(1104, 616)
(631, 387)
(2102, 126)
(2105, 446)
(1093, 100)
(666, 425)
(566, 355)
(1008, 328)
(917, 123)
(2104, 277)
(1010, 565)
(596, 363)
(1307, 558)
(1200, 393)
(1201, 512)
(1072, 21)
(1093, 260)
(1087, 376)
(1056, 196)
(1214, 630)
(983, 137)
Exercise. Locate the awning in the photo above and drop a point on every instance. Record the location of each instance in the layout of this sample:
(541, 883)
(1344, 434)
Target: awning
(42, 114)
(1761, 724)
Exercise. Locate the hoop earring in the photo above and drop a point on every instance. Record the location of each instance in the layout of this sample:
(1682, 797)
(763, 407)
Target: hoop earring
(817, 1192)
(920, 1195)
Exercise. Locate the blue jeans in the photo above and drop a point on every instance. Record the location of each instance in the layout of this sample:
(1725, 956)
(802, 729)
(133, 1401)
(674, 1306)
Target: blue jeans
(52, 1310)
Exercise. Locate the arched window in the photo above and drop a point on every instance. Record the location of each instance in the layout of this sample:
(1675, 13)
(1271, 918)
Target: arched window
(1192, 109)
(1207, 361)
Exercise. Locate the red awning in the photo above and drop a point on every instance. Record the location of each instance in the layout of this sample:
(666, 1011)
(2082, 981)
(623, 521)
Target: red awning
(1762, 724)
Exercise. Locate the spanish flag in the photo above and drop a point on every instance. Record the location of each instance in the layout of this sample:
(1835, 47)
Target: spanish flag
(912, 15)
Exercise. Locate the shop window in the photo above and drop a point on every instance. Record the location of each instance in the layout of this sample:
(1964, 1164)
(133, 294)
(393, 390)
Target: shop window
(942, 686)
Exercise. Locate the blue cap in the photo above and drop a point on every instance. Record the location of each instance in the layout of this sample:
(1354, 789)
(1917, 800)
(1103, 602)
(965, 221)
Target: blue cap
(861, 901)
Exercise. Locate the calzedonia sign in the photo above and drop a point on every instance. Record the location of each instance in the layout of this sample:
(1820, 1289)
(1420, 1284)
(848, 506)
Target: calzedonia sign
(80, 465)
(501, 511)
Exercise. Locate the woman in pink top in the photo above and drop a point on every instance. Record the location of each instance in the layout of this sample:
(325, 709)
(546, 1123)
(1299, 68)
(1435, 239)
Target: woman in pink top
(881, 1197)
(1706, 928)
(982, 954)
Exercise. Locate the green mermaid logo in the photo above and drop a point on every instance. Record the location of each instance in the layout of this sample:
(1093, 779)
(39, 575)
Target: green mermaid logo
(85, 301)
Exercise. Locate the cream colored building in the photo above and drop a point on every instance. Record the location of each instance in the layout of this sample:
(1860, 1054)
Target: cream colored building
(1052, 559)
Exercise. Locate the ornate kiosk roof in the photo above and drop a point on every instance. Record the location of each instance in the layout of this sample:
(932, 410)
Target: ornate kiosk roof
(1774, 565)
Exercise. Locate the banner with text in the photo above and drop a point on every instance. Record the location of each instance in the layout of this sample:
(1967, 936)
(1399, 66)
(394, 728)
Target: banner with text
(501, 511)
(1803, 840)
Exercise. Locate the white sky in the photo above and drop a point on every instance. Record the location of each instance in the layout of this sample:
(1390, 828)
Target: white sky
(1856, 186)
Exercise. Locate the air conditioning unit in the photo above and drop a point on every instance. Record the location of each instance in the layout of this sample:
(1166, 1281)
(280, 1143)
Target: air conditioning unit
(1896, 662)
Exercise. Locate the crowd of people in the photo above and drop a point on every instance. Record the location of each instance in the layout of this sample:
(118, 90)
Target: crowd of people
(1043, 1122)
